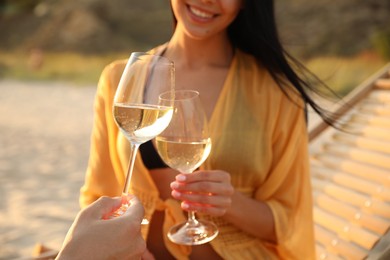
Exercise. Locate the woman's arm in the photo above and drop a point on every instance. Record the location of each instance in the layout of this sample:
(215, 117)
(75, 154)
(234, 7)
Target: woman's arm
(252, 216)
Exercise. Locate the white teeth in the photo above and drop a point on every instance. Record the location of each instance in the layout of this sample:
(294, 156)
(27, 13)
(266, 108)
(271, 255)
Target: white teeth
(200, 13)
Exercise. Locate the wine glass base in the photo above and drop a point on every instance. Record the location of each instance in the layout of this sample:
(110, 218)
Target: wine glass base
(190, 234)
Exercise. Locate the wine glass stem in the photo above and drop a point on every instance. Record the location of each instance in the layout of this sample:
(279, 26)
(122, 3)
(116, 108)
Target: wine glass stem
(191, 218)
(133, 153)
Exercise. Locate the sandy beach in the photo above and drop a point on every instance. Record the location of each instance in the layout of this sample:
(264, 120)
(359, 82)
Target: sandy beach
(44, 146)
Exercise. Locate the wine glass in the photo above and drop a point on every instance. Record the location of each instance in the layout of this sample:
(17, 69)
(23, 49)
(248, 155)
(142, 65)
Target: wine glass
(184, 145)
(136, 109)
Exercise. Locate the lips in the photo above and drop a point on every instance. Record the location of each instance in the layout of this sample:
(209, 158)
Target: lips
(201, 14)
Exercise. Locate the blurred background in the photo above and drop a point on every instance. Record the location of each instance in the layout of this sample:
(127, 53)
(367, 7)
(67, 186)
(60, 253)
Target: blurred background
(52, 53)
(72, 40)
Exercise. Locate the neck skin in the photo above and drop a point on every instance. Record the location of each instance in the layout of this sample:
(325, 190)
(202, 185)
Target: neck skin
(190, 53)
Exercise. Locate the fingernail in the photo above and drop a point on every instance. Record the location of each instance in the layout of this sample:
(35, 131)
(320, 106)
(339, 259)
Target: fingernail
(175, 194)
(174, 185)
(180, 177)
(185, 205)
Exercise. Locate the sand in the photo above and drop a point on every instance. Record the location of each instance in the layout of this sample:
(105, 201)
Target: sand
(44, 146)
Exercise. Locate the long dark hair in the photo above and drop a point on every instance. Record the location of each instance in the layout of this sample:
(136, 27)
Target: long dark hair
(254, 31)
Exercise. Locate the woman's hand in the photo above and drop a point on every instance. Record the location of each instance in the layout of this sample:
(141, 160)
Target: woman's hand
(211, 192)
(207, 192)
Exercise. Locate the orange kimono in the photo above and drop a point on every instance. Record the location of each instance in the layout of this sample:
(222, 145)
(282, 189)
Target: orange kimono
(259, 136)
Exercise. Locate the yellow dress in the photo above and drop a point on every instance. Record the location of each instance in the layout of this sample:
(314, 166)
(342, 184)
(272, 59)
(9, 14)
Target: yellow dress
(259, 137)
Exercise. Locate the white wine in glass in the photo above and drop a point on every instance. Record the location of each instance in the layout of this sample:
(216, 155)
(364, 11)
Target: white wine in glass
(137, 110)
(184, 145)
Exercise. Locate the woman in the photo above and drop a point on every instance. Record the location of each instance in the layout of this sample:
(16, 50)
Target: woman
(257, 172)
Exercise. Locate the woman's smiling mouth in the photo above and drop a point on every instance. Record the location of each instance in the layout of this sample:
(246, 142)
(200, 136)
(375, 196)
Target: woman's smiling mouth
(200, 13)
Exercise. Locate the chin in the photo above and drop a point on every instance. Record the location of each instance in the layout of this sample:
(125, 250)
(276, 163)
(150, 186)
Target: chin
(200, 35)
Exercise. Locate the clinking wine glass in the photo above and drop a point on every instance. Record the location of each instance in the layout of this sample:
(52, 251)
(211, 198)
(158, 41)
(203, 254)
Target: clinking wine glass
(136, 109)
(184, 145)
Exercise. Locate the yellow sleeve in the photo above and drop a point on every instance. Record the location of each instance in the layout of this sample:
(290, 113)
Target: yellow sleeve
(104, 172)
(287, 189)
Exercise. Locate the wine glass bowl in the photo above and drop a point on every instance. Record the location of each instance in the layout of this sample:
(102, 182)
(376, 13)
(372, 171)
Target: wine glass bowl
(140, 123)
(136, 108)
(184, 145)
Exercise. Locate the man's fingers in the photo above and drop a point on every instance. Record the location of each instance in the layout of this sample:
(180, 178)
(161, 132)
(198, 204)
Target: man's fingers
(103, 207)
(136, 210)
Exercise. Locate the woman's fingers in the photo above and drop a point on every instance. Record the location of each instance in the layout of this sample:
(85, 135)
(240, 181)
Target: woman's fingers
(217, 182)
(215, 188)
(208, 192)
(202, 208)
(203, 199)
(213, 176)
